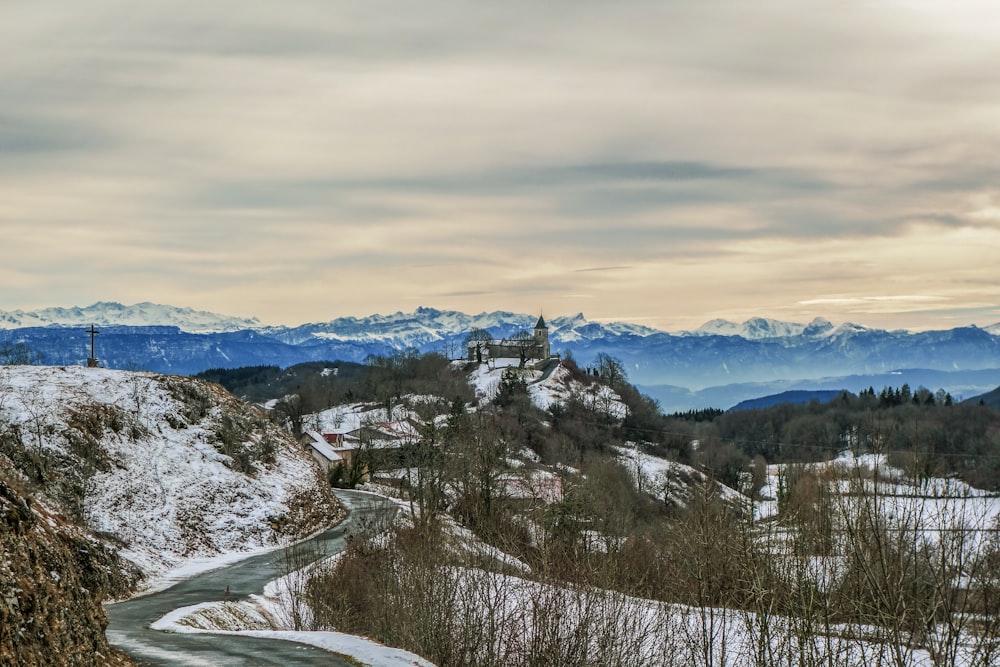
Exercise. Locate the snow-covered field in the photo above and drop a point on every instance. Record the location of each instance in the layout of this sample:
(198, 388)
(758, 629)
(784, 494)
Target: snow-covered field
(934, 500)
(515, 614)
(613, 628)
(161, 491)
(352, 416)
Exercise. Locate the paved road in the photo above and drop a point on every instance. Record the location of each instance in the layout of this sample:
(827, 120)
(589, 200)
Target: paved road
(547, 371)
(128, 627)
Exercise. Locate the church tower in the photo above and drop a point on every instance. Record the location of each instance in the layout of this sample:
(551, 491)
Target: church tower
(542, 338)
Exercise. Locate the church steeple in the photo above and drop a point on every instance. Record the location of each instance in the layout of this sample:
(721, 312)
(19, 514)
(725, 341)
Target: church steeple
(542, 338)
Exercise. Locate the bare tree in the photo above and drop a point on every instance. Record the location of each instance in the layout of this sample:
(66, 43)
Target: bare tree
(426, 476)
(480, 340)
(290, 411)
(18, 354)
(523, 343)
(610, 369)
(30, 399)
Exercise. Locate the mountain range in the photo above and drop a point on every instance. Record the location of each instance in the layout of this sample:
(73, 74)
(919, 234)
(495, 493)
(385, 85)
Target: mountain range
(721, 362)
(106, 313)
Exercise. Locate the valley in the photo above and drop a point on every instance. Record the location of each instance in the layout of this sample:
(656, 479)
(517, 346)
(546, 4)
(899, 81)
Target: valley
(638, 537)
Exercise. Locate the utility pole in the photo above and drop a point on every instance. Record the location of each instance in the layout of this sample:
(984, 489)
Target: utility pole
(92, 360)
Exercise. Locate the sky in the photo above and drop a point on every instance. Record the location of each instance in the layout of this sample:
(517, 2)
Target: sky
(663, 163)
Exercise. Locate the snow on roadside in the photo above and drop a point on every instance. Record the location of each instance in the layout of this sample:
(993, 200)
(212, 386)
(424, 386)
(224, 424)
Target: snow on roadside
(275, 614)
(222, 618)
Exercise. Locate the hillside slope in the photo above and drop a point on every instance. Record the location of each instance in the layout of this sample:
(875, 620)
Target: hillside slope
(162, 468)
(990, 398)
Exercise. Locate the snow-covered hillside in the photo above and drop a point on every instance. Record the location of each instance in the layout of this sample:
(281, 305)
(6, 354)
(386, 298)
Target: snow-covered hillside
(166, 468)
(546, 388)
(669, 481)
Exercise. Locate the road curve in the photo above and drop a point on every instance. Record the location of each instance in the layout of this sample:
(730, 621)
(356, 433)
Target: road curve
(129, 631)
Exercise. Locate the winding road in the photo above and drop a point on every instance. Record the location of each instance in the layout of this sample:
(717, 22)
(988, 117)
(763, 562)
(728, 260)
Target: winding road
(129, 631)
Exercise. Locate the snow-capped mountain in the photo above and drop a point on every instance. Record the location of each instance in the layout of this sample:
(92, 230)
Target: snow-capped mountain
(820, 326)
(106, 313)
(760, 328)
(720, 353)
(400, 330)
(426, 326)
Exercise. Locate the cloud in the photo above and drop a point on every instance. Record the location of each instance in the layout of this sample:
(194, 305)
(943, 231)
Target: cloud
(594, 269)
(465, 293)
(21, 137)
(883, 304)
(475, 154)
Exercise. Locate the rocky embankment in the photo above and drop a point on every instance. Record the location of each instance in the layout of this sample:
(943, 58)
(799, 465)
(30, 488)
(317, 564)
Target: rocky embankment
(53, 579)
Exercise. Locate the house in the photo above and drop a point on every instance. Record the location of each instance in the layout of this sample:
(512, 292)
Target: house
(340, 445)
(538, 486)
(322, 450)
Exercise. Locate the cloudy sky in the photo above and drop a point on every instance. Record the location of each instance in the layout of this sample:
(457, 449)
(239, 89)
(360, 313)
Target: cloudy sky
(658, 162)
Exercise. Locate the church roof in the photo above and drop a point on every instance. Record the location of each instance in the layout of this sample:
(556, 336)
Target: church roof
(540, 324)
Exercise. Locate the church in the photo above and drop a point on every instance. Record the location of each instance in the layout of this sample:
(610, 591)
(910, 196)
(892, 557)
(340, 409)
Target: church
(524, 346)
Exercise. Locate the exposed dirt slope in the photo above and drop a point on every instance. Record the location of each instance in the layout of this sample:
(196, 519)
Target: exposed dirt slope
(53, 578)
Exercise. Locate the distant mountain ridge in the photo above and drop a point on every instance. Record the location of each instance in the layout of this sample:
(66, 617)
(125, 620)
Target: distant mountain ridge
(757, 328)
(991, 398)
(109, 313)
(421, 326)
(718, 354)
(791, 396)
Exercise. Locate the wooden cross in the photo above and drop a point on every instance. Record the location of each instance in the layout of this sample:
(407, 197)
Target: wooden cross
(93, 332)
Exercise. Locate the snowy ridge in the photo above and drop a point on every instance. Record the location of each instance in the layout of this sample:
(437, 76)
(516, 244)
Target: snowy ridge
(106, 313)
(400, 330)
(403, 330)
(428, 325)
(421, 328)
(257, 616)
(760, 328)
